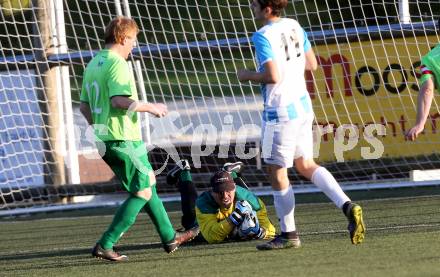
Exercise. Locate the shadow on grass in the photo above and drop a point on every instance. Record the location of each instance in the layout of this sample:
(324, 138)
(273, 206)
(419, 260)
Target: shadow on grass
(82, 251)
(71, 258)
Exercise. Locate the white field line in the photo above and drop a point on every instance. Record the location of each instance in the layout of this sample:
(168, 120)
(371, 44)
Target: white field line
(397, 227)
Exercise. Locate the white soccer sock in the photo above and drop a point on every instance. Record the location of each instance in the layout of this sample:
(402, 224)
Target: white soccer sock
(284, 201)
(324, 180)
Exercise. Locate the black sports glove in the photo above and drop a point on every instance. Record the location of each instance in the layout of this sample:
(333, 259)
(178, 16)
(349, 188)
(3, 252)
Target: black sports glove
(250, 228)
(236, 217)
(261, 234)
(242, 208)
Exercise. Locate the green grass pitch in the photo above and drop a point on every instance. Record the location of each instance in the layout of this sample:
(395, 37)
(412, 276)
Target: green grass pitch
(403, 239)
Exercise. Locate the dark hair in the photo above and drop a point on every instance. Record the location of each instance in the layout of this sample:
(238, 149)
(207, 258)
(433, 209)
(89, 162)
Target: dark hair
(117, 29)
(276, 5)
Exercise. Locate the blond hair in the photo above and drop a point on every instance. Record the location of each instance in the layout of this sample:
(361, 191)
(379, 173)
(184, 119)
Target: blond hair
(118, 28)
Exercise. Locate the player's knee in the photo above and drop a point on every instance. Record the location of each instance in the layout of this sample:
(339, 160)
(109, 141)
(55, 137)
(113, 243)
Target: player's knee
(278, 179)
(305, 167)
(145, 193)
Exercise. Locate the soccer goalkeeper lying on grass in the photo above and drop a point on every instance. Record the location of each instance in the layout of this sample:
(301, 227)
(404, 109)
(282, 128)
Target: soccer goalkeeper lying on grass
(229, 211)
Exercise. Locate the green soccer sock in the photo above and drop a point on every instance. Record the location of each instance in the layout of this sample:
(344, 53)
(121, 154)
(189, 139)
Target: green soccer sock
(185, 176)
(155, 209)
(234, 175)
(125, 217)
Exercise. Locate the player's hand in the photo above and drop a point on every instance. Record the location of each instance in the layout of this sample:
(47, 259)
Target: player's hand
(414, 132)
(242, 75)
(242, 208)
(236, 218)
(159, 109)
(250, 228)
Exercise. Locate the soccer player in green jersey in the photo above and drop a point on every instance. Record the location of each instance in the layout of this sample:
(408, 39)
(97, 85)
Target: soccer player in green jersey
(430, 78)
(109, 102)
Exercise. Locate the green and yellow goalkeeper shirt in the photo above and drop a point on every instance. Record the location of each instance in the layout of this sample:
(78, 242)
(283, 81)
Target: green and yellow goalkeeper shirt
(430, 67)
(107, 75)
(212, 219)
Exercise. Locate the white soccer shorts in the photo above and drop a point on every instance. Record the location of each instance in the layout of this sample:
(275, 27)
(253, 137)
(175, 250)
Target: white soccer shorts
(282, 142)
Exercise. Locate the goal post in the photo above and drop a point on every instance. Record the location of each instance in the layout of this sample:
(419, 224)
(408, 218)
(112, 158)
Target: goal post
(49, 39)
(364, 93)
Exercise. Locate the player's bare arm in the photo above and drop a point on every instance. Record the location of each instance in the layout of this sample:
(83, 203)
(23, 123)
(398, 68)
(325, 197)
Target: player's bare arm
(123, 102)
(268, 76)
(311, 62)
(423, 105)
(84, 108)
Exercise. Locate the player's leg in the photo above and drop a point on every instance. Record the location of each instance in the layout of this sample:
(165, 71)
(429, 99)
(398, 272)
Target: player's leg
(180, 175)
(155, 209)
(324, 180)
(124, 218)
(137, 177)
(306, 166)
(170, 238)
(278, 141)
(284, 202)
(115, 156)
(158, 215)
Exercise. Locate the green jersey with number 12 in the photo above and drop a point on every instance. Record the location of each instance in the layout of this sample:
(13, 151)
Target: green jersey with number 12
(107, 75)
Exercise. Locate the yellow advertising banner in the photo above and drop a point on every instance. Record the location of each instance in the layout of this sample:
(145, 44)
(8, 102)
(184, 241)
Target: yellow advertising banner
(364, 96)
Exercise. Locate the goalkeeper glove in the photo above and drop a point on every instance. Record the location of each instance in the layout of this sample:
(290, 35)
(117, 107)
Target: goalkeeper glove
(242, 208)
(250, 228)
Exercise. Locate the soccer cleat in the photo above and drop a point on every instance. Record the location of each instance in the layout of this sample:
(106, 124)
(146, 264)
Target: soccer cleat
(107, 254)
(180, 238)
(280, 243)
(356, 225)
(174, 173)
(197, 238)
(236, 167)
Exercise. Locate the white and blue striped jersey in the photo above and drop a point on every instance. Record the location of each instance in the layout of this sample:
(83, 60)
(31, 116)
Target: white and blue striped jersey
(285, 43)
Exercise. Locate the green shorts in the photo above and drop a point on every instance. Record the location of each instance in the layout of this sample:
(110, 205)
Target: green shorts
(129, 162)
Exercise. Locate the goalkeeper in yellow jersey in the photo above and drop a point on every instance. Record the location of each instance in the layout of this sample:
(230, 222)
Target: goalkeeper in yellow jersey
(228, 211)
(429, 80)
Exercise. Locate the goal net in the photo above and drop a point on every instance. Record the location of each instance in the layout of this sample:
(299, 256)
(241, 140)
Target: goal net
(364, 92)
